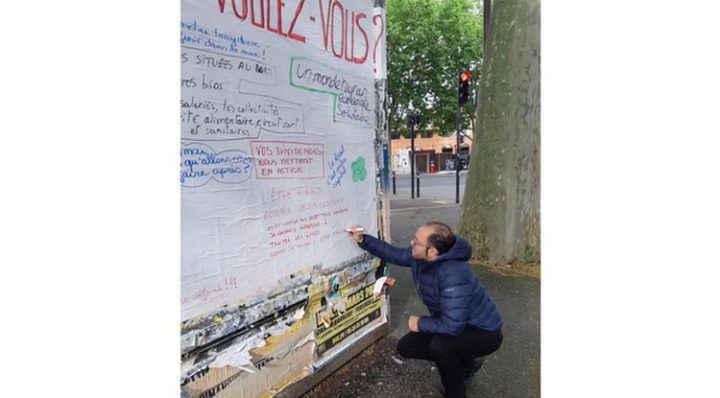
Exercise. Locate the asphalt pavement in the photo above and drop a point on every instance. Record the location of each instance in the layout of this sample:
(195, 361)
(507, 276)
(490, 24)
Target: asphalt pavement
(440, 185)
(379, 371)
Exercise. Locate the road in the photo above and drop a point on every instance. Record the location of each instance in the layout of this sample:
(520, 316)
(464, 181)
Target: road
(440, 186)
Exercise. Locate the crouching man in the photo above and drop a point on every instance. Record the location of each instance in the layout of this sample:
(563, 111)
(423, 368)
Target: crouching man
(463, 324)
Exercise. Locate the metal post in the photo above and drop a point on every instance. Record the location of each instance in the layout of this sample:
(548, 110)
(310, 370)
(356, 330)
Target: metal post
(393, 179)
(412, 157)
(418, 185)
(457, 146)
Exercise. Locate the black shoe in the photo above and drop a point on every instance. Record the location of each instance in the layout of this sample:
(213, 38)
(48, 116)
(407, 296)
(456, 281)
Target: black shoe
(470, 372)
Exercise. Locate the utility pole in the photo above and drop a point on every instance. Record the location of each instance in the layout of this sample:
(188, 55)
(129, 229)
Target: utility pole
(462, 96)
(412, 158)
(412, 120)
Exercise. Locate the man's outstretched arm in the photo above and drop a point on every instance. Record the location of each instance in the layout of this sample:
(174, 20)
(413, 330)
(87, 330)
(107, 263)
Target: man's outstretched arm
(379, 248)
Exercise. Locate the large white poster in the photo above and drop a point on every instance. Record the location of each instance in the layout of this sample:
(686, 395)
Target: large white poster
(278, 118)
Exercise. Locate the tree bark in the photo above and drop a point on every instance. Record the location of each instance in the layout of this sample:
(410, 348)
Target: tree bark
(501, 207)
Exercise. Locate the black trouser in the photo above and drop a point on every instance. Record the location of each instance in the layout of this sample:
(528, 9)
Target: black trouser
(452, 354)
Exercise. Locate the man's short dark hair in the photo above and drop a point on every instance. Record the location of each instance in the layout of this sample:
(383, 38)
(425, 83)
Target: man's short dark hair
(441, 238)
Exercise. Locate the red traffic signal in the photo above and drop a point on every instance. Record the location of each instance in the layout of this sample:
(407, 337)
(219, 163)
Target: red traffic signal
(463, 86)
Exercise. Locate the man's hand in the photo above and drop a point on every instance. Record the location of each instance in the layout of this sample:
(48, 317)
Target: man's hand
(413, 323)
(356, 231)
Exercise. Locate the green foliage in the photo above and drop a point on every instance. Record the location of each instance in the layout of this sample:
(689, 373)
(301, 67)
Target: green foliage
(529, 255)
(428, 40)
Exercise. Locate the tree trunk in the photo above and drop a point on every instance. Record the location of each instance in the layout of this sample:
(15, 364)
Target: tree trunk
(501, 207)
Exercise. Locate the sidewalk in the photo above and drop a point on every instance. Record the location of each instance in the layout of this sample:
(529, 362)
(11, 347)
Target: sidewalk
(513, 371)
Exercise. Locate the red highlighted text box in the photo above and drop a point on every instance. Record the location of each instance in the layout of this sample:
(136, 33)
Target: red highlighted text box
(288, 160)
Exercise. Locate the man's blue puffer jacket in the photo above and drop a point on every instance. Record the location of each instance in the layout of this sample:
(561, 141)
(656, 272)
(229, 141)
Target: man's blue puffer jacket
(447, 286)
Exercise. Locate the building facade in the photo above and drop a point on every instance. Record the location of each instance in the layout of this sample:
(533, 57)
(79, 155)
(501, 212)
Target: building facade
(432, 154)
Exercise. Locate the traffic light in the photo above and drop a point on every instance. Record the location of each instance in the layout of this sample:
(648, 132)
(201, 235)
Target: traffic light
(413, 119)
(463, 86)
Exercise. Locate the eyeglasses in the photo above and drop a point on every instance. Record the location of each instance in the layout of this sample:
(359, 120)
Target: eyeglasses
(414, 242)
